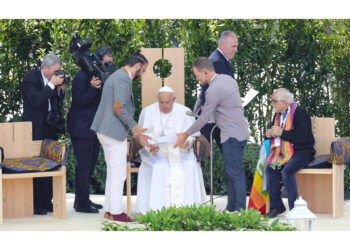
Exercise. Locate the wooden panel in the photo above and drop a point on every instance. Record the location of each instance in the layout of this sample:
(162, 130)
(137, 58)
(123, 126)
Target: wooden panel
(1, 201)
(128, 188)
(59, 195)
(17, 198)
(324, 133)
(338, 190)
(316, 190)
(150, 83)
(35, 148)
(315, 171)
(22, 138)
(16, 138)
(7, 139)
(176, 80)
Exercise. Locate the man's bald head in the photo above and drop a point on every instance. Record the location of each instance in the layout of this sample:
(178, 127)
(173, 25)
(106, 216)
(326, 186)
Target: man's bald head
(228, 44)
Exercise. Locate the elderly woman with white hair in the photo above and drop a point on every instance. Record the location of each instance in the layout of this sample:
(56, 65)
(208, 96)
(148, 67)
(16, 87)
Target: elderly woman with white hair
(291, 149)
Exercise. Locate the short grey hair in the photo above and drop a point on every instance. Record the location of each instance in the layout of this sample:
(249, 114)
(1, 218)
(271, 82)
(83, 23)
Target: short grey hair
(226, 34)
(284, 95)
(50, 60)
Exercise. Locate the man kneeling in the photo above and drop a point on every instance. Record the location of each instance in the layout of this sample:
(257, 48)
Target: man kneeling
(168, 176)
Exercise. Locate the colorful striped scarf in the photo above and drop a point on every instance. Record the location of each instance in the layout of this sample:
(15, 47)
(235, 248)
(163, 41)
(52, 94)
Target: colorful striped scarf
(280, 155)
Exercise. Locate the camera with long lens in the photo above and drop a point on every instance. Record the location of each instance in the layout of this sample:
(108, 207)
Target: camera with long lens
(89, 62)
(66, 79)
(55, 116)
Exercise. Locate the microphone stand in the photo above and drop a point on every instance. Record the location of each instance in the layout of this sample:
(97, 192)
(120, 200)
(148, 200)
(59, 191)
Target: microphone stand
(211, 157)
(211, 165)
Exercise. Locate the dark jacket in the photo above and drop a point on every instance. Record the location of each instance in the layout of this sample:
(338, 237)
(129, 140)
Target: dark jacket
(35, 104)
(85, 101)
(221, 65)
(301, 135)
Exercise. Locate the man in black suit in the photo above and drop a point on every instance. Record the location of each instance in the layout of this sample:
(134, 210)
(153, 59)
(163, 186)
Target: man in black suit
(41, 88)
(86, 96)
(220, 58)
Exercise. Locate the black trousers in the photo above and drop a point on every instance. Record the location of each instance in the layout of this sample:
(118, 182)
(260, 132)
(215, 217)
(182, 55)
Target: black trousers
(42, 187)
(206, 130)
(86, 153)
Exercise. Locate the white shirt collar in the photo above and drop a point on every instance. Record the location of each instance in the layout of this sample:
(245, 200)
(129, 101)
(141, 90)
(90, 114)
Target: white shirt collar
(129, 73)
(223, 54)
(212, 78)
(46, 81)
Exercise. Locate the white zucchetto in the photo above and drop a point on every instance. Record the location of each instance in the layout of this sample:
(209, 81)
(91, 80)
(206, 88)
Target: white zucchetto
(166, 89)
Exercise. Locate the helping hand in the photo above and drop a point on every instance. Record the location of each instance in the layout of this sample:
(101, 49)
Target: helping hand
(143, 139)
(139, 130)
(154, 149)
(181, 139)
(184, 145)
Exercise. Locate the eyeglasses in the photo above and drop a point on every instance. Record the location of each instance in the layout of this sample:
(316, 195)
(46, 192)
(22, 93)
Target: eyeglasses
(274, 101)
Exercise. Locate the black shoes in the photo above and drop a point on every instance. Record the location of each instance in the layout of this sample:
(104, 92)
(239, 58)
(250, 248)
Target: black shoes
(50, 207)
(97, 206)
(86, 209)
(43, 211)
(40, 211)
(275, 211)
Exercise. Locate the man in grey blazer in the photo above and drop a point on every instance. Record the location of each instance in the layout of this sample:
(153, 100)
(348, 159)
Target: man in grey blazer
(112, 123)
(224, 101)
(220, 58)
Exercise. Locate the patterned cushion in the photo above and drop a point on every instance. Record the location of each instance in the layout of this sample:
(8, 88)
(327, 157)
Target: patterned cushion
(202, 152)
(340, 151)
(132, 149)
(28, 165)
(321, 161)
(49, 160)
(53, 150)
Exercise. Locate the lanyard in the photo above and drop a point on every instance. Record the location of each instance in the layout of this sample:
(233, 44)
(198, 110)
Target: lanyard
(284, 118)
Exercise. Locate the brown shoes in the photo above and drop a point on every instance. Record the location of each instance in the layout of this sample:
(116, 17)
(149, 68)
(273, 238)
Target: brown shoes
(117, 217)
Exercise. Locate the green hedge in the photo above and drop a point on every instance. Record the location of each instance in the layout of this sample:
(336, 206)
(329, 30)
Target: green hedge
(202, 218)
(308, 57)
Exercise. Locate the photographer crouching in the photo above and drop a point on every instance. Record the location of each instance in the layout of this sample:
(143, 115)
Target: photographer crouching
(43, 93)
(86, 96)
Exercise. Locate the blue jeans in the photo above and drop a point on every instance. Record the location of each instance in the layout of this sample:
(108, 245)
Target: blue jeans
(232, 150)
(298, 161)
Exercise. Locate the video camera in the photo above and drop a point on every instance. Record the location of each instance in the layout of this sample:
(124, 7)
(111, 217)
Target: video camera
(90, 63)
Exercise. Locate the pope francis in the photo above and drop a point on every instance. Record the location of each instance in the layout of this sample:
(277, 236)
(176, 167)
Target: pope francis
(168, 176)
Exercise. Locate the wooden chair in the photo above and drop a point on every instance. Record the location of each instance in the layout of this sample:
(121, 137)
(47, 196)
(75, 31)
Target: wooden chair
(16, 189)
(323, 189)
(150, 84)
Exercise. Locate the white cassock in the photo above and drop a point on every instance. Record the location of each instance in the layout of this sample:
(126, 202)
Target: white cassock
(171, 176)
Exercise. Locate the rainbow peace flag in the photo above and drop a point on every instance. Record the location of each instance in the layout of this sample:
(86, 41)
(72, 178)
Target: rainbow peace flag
(259, 195)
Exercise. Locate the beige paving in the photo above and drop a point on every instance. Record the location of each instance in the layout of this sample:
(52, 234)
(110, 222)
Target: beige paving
(93, 222)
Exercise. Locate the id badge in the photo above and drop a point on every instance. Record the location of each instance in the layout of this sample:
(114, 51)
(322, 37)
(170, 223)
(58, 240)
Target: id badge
(277, 141)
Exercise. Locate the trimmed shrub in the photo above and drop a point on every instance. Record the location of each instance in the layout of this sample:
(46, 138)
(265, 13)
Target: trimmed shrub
(201, 218)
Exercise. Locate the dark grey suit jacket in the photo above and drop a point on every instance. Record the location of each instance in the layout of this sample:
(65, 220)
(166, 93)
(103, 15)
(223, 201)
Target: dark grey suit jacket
(117, 88)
